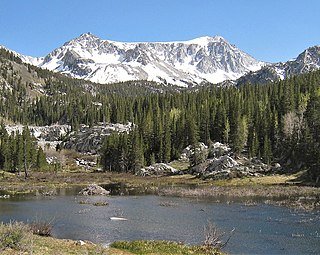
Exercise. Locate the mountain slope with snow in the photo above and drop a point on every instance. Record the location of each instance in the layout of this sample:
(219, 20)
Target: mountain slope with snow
(186, 63)
(307, 61)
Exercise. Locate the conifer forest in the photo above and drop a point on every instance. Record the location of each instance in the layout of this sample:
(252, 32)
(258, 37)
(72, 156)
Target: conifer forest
(277, 122)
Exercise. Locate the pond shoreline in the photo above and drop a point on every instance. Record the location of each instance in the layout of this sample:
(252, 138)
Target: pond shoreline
(277, 190)
(228, 207)
(297, 197)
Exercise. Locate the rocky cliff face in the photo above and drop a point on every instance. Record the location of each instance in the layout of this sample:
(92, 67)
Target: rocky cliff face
(89, 139)
(86, 140)
(47, 136)
(184, 63)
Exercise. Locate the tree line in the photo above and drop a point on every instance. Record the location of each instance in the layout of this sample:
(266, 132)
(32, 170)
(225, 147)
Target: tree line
(19, 153)
(278, 122)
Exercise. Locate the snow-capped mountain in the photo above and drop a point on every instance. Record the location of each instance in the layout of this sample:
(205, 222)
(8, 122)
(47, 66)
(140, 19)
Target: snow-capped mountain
(182, 63)
(307, 61)
(26, 59)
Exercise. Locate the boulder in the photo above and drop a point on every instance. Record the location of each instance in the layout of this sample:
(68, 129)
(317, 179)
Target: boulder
(222, 163)
(157, 169)
(94, 189)
(215, 167)
(277, 168)
(226, 167)
(189, 151)
(217, 150)
(220, 168)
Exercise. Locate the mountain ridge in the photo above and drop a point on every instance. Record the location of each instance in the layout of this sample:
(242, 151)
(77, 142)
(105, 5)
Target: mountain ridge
(183, 63)
(306, 61)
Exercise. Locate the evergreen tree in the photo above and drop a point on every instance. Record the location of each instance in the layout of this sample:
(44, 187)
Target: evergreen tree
(267, 153)
(41, 161)
(191, 131)
(136, 151)
(166, 142)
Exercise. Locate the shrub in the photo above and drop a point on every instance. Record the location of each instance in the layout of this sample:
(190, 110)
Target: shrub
(214, 239)
(14, 236)
(41, 228)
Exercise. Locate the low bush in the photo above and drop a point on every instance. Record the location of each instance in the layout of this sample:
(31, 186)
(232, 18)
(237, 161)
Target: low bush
(41, 228)
(14, 235)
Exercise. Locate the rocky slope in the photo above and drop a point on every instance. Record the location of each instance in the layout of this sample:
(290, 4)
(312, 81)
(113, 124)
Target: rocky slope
(182, 63)
(219, 162)
(46, 136)
(86, 140)
(89, 139)
(307, 61)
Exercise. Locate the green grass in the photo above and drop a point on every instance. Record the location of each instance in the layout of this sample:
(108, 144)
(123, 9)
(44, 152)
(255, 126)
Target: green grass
(179, 165)
(162, 247)
(17, 238)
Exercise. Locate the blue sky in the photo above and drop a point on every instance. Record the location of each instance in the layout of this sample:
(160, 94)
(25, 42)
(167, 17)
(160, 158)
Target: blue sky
(269, 30)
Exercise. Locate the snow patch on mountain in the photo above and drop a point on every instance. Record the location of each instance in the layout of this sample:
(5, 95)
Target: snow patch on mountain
(307, 61)
(183, 63)
(26, 59)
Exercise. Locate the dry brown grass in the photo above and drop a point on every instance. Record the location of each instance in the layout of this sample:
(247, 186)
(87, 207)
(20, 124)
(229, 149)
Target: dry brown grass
(306, 198)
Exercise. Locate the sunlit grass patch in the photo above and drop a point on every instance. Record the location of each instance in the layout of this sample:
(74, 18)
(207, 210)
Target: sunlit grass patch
(263, 180)
(179, 165)
(162, 247)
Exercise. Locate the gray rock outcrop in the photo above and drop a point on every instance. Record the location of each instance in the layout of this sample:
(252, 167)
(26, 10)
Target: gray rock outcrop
(218, 149)
(89, 139)
(189, 151)
(158, 169)
(47, 136)
(226, 167)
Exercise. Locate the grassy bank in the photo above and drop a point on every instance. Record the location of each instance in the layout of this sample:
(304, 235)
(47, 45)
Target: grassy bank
(163, 247)
(18, 238)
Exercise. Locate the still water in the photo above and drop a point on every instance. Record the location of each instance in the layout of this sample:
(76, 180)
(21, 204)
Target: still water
(260, 229)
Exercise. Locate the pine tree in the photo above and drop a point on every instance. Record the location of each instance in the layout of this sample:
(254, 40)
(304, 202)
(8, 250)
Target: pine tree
(136, 153)
(267, 152)
(253, 144)
(41, 161)
(166, 141)
(191, 131)
(240, 134)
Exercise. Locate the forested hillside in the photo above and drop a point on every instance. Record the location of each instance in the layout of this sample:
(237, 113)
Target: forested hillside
(279, 122)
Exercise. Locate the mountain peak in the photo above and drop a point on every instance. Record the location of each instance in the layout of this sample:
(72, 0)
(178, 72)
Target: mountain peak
(87, 36)
(204, 40)
(182, 63)
(86, 40)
